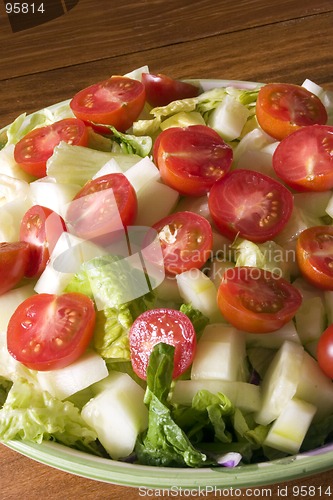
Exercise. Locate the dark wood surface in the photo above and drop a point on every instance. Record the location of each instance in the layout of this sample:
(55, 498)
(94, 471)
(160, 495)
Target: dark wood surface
(256, 40)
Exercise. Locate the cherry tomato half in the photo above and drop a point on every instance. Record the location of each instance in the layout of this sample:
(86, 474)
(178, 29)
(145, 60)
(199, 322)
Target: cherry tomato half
(102, 207)
(186, 241)
(47, 331)
(35, 148)
(250, 204)
(314, 253)
(325, 351)
(191, 159)
(117, 101)
(283, 108)
(304, 159)
(14, 259)
(162, 325)
(41, 228)
(161, 89)
(255, 300)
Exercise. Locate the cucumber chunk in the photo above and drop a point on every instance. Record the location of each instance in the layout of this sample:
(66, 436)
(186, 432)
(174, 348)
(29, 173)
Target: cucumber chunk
(220, 354)
(289, 429)
(62, 383)
(280, 382)
(245, 396)
(117, 413)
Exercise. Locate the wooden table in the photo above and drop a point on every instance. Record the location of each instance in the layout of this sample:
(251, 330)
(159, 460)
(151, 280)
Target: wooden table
(256, 40)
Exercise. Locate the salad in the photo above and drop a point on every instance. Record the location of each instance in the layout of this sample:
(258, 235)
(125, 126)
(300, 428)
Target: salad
(166, 269)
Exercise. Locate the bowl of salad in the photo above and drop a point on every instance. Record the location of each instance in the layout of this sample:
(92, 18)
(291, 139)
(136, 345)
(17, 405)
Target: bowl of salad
(167, 282)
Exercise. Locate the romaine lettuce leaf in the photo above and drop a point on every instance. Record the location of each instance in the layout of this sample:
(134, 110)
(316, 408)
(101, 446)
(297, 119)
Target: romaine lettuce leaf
(164, 443)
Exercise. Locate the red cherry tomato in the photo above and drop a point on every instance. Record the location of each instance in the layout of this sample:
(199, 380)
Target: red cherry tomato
(314, 253)
(283, 108)
(162, 325)
(102, 207)
(325, 351)
(255, 300)
(47, 332)
(117, 101)
(35, 148)
(41, 228)
(161, 89)
(186, 241)
(304, 159)
(250, 204)
(191, 159)
(14, 258)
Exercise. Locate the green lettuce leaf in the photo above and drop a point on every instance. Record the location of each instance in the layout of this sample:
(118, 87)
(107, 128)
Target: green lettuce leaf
(268, 255)
(31, 414)
(164, 443)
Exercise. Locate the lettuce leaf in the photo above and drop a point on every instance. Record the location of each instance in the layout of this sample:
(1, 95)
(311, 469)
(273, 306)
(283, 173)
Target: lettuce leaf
(31, 414)
(164, 443)
(268, 255)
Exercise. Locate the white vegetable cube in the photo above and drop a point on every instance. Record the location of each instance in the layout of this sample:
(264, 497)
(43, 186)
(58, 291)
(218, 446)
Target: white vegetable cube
(155, 201)
(196, 288)
(117, 413)
(315, 387)
(310, 319)
(53, 195)
(220, 354)
(289, 429)
(280, 381)
(229, 118)
(63, 382)
(10, 300)
(243, 395)
(329, 208)
(142, 173)
(274, 340)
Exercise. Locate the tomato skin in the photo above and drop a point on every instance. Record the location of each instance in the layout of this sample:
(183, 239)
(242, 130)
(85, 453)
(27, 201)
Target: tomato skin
(249, 204)
(14, 259)
(314, 254)
(191, 159)
(41, 228)
(93, 215)
(283, 108)
(304, 159)
(255, 300)
(36, 147)
(161, 89)
(47, 332)
(117, 101)
(325, 351)
(162, 325)
(186, 240)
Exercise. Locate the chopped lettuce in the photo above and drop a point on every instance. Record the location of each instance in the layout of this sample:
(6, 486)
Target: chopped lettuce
(111, 282)
(164, 443)
(199, 320)
(129, 143)
(31, 414)
(268, 255)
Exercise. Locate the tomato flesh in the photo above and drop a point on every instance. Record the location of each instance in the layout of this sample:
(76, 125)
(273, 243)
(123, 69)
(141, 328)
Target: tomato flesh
(36, 147)
(48, 332)
(169, 326)
(117, 101)
(250, 204)
(102, 208)
(325, 351)
(314, 253)
(161, 89)
(283, 108)
(255, 300)
(186, 241)
(191, 159)
(14, 259)
(304, 159)
(41, 228)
